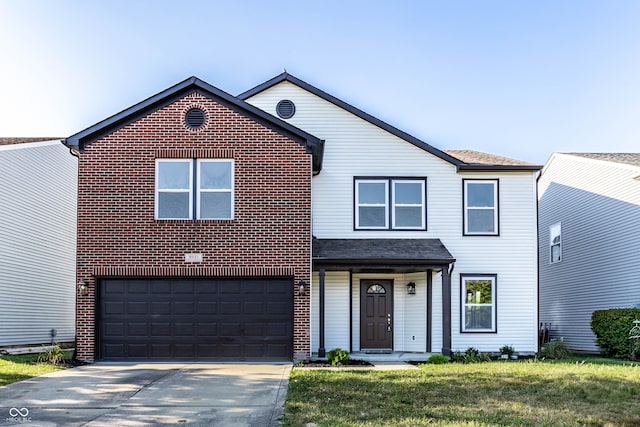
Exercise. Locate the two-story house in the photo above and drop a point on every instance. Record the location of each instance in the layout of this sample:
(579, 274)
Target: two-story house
(589, 205)
(37, 242)
(284, 222)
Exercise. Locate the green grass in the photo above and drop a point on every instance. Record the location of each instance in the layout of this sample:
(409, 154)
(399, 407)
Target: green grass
(586, 392)
(20, 368)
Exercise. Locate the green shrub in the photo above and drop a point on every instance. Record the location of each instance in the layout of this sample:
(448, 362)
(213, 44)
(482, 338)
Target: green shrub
(437, 359)
(471, 355)
(612, 330)
(507, 349)
(54, 356)
(554, 350)
(338, 356)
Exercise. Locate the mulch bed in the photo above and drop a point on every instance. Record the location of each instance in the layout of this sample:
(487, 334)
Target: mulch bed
(319, 363)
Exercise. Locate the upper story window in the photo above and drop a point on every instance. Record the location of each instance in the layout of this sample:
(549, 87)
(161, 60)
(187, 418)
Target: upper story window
(178, 197)
(555, 242)
(390, 203)
(478, 303)
(480, 207)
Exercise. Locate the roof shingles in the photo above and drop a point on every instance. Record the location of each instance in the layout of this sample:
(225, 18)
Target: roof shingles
(23, 140)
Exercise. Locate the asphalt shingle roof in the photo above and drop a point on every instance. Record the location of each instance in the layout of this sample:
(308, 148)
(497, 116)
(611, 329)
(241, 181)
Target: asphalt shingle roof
(385, 250)
(479, 158)
(22, 140)
(632, 159)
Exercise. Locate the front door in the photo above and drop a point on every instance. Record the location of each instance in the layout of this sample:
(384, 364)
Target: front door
(376, 315)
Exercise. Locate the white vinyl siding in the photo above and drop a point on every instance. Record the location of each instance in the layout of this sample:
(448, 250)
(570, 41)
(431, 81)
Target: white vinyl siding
(355, 148)
(38, 245)
(598, 205)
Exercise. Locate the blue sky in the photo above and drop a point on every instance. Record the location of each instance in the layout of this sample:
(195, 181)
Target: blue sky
(516, 78)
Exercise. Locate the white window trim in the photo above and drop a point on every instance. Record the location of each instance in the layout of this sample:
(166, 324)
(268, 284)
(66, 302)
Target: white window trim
(495, 207)
(173, 190)
(199, 190)
(463, 293)
(385, 204)
(395, 205)
(557, 225)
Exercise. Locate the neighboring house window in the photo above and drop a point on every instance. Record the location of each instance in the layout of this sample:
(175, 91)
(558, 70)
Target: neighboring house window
(387, 203)
(176, 194)
(478, 303)
(480, 206)
(555, 240)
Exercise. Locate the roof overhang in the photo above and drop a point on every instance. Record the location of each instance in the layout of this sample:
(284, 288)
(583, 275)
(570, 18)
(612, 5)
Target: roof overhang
(380, 255)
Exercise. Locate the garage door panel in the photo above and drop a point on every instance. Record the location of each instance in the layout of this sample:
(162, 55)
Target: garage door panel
(184, 329)
(161, 307)
(160, 287)
(114, 329)
(196, 319)
(137, 307)
(183, 286)
(137, 350)
(183, 307)
(278, 308)
(207, 307)
(160, 329)
(208, 329)
(137, 329)
(231, 307)
(254, 329)
(138, 287)
(114, 307)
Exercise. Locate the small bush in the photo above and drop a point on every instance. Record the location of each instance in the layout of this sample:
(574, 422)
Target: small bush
(612, 330)
(437, 359)
(53, 356)
(554, 350)
(338, 356)
(507, 349)
(471, 355)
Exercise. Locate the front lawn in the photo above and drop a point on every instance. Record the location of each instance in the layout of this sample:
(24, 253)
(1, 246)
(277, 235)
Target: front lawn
(524, 393)
(19, 368)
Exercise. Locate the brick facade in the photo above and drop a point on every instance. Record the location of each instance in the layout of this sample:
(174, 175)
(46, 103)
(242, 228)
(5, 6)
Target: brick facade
(118, 236)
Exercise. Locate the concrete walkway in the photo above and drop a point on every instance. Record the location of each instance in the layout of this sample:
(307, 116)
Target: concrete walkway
(229, 395)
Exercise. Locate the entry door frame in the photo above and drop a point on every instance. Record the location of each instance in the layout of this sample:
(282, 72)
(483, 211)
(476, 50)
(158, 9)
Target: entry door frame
(382, 339)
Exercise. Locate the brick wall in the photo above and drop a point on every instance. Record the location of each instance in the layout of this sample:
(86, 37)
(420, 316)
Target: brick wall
(119, 237)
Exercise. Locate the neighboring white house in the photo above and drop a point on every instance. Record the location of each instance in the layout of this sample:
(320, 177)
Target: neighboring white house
(415, 249)
(38, 187)
(589, 229)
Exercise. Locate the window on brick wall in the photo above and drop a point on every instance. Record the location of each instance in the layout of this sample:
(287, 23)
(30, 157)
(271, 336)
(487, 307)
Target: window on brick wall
(194, 188)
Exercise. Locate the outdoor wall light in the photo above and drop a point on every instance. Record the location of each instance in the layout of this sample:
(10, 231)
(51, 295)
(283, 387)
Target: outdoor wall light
(411, 288)
(83, 288)
(302, 287)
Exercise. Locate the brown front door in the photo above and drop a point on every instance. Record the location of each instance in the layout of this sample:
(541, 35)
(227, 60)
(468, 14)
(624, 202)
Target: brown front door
(376, 315)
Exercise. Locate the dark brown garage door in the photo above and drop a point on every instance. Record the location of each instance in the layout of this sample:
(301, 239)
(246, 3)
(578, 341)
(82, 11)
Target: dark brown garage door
(196, 319)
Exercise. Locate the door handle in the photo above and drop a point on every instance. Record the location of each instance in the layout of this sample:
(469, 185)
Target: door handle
(389, 322)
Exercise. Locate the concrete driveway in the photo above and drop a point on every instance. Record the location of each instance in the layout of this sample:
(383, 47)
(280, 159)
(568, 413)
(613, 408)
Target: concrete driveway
(107, 394)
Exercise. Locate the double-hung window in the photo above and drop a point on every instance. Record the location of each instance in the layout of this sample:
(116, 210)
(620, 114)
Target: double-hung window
(190, 188)
(555, 241)
(478, 303)
(480, 207)
(390, 203)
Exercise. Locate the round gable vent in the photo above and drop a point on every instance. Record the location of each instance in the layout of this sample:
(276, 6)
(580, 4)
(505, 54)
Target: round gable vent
(285, 109)
(194, 118)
